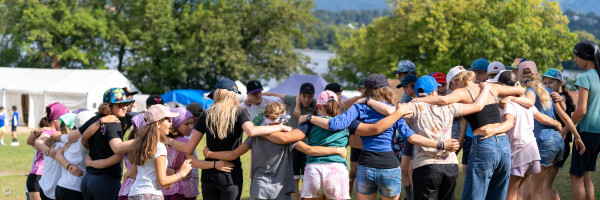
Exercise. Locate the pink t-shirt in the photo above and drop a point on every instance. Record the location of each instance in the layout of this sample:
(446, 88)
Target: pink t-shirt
(521, 134)
(126, 185)
(37, 166)
(175, 159)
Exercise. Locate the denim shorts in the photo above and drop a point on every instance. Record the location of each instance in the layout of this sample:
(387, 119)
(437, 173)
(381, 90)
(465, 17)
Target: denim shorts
(388, 181)
(551, 149)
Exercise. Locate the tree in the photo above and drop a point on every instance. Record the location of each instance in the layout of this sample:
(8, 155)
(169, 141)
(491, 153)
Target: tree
(440, 34)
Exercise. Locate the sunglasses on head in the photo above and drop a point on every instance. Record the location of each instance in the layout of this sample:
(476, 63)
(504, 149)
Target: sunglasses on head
(122, 105)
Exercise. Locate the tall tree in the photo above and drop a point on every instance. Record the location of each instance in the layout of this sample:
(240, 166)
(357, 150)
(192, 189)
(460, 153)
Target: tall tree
(440, 34)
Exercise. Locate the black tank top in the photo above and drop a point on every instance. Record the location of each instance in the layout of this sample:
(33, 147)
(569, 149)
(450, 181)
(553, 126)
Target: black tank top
(490, 114)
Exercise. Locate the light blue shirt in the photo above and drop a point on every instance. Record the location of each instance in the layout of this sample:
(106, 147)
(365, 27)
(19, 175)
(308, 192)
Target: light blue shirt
(590, 81)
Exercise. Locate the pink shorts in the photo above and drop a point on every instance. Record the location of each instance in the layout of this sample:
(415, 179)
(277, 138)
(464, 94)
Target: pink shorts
(530, 168)
(326, 179)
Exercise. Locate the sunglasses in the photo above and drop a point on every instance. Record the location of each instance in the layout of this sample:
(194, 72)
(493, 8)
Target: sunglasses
(123, 105)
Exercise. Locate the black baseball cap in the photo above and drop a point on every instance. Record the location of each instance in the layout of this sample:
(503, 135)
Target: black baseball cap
(224, 83)
(154, 99)
(334, 87)
(129, 92)
(254, 86)
(376, 81)
(307, 88)
(409, 78)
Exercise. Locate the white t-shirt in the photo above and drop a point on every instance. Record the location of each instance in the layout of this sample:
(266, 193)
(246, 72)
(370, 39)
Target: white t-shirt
(145, 181)
(521, 134)
(257, 112)
(75, 154)
(52, 171)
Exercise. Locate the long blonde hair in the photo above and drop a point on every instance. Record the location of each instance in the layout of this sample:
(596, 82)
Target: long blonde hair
(537, 86)
(221, 116)
(145, 144)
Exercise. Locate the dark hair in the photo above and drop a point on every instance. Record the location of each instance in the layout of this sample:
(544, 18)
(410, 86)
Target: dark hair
(133, 132)
(44, 122)
(568, 98)
(588, 50)
(14, 107)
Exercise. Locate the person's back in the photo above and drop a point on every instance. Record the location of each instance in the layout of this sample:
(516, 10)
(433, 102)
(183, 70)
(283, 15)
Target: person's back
(321, 137)
(521, 134)
(271, 168)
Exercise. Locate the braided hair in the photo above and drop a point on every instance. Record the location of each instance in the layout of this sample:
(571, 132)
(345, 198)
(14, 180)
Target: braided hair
(588, 50)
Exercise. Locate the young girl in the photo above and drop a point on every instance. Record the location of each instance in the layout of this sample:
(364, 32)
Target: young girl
(408, 85)
(586, 116)
(187, 187)
(33, 186)
(224, 123)
(71, 157)
(149, 155)
(273, 178)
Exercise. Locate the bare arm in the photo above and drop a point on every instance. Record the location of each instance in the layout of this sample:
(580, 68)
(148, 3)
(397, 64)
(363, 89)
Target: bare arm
(74, 135)
(161, 172)
(416, 139)
(570, 126)
(320, 151)
(226, 155)
(503, 90)
(365, 129)
(286, 137)
(581, 108)
(31, 138)
(527, 101)
(119, 146)
(480, 101)
(203, 164)
(544, 119)
(39, 143)
(315, 120)
(73, 169)
(349, 101)
(189, 146)
(253, 131)
(380, 107)
(497, 128)
(281, 96)
(458, 95)
(103, 163)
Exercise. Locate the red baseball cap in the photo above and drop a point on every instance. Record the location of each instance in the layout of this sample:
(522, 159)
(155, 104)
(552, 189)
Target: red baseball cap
(439, 77)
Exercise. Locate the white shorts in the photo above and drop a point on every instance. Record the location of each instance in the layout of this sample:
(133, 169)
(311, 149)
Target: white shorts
(326, 179)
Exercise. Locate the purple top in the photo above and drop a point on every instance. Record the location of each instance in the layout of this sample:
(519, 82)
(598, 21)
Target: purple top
(37, 167)
(126, 185)
(175, 159)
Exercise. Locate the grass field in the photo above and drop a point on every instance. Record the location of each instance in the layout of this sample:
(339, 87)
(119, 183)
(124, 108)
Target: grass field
(16, 163)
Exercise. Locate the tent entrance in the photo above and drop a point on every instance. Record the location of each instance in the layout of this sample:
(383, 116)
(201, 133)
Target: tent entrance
(25, 108)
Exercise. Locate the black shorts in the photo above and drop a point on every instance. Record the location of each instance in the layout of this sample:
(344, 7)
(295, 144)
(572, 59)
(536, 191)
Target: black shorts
(299, 162)
(14, 128)
(32, 183)
(407, 149)
(586, 162)
(355, 154)
(561, 163)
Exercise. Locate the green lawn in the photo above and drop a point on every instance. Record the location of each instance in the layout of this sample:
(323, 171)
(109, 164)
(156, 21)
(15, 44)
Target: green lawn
(16, 163)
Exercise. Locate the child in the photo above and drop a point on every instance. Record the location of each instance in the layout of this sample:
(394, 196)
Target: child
(266, 171)
(408, 85)
(52, 169)
(480, 67)
(149, 155)
(15, 123)
(186, 188)
(2, 119)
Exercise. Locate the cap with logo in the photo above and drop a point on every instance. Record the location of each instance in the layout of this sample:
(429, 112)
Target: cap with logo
(254, 86)
(555, 74)
(154, 99)
(307, 88)
(326, 96)
(527, 65)
(495, 67)
(409, 78)
(158, 112)
(425, 85)
(224, 83)
(439, 77)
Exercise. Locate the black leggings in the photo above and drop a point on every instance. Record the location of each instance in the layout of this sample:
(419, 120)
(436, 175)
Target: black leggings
(100, 187)
(221, 192)
(64, 193)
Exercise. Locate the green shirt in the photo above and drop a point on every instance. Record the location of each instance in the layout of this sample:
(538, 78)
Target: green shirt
(321, 137)
(590, 81)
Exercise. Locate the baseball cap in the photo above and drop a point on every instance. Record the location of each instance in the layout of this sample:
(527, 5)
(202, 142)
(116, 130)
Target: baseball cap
(334, 87)
(326, 96)
(555, 74)
(194, 108)
(361, 82)
(480, 64)
(68, 119)
(129, 92)
(1, 107)
(254, 86)
(376, 81)
(495, 67)
(439, 77)
(427, 84)
(409, 78)
(55, 110)
(115, 95)
(307, 88)
(138, 121)
(83, 117)
(224, 83)
(527, 65)
(405, 66)
(154, 99)
(453, 72)
(503, 77)
(158, 112)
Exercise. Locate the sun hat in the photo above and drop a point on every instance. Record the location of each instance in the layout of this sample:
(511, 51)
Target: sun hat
(158, 112)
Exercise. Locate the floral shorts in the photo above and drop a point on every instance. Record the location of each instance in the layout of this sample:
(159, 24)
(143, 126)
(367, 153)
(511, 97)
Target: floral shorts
(146, 197)
(330, 180)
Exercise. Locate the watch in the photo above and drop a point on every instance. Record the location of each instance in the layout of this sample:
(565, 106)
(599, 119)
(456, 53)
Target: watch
(308, 118)
(367, 101)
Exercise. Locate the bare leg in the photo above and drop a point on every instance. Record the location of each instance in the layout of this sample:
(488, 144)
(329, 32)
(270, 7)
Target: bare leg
(34, 196)
(537, 182)
(548, 184)
(406, 173)
(296, 196)
(391, 198)
(353, 168)
(360, 196)
(513, 187)
(578, 186)
(589, 186)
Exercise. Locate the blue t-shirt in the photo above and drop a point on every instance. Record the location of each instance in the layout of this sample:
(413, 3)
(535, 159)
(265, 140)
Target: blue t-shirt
(364, 113)
(590, 81)
(15, 119)
(2, 118)
(469, 132)
(542, 131)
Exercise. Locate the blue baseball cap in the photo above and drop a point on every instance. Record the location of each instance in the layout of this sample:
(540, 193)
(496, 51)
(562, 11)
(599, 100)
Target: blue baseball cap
(480, 64)
(224, 83)
(405, 66)
(426, 84)
(555, 74)
(409, 78)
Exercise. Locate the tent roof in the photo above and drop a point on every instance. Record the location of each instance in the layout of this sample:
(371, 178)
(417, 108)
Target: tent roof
(291, 86)
(187, 96)
(68, 81)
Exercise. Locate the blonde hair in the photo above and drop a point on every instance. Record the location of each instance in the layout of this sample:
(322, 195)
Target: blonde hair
(145, 144)
(221, 116)
(537, 86)
(274, 110)
(380, 94)
(464, 77)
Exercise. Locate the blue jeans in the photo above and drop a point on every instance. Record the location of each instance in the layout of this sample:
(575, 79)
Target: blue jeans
(488, 169)
(387, 181)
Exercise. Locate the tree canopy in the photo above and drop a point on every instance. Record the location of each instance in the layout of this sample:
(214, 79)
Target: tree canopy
(440, 34)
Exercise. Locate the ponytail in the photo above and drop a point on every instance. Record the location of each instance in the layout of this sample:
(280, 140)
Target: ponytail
(333, 108)
(568, 97)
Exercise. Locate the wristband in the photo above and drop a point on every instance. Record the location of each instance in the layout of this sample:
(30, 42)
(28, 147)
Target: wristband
(101, 123)
(215, 164)
(443, 146)
(68, 166)
(439, 145)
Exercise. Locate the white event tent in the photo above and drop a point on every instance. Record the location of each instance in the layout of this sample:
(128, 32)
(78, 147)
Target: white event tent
(31, 89)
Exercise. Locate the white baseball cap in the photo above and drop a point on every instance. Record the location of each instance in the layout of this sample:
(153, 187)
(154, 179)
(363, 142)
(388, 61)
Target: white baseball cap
(453, 72)
(495, 67)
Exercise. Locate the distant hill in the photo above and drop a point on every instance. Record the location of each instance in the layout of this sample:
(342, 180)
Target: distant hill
(584, 6)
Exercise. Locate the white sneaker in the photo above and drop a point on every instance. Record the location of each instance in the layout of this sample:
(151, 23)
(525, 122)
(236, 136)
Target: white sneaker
(2, 143)
(14, 144)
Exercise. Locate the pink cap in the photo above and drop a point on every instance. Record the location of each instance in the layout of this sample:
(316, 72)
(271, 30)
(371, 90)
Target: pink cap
(527, 65)
(325, 96)
(56, 110)
(157, 112)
